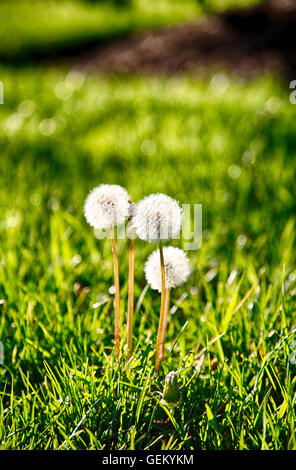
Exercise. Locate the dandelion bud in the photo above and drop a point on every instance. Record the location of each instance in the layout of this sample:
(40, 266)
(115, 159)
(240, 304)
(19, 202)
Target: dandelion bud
(171, 391)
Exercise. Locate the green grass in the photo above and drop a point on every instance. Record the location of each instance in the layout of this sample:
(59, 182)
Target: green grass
(226, 144)
(30, 27)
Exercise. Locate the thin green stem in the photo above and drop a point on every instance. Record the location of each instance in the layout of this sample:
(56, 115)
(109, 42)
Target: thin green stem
(117, 298)
(130, 315)
(162, 305)
(165, 322)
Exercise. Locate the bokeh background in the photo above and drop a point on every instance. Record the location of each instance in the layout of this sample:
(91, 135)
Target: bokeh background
(186, 97)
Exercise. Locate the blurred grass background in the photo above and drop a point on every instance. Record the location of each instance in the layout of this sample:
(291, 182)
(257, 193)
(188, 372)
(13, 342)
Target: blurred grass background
(29, 27)
(222, 142)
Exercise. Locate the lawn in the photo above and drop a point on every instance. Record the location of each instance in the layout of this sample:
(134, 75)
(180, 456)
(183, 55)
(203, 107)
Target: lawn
(220, 141)
(223, 143)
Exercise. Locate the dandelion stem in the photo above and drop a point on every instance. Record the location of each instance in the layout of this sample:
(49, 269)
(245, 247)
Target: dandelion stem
(130, 317)
(162, 305)
(165, 322)
(117, 297)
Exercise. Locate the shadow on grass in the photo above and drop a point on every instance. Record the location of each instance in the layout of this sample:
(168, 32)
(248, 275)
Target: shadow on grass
(248, 41)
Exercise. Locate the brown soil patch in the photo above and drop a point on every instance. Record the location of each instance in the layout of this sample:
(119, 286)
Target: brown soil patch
(248, 42)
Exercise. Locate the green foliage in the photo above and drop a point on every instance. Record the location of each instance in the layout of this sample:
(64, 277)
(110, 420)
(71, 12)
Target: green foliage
(226, 144)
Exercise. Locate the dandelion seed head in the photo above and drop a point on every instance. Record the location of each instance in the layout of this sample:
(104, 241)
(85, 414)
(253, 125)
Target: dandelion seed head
(177, 268)
(106, 205)
(157, 217)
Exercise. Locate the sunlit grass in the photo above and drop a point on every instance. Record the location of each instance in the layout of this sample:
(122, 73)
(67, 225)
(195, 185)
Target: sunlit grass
(226, 144)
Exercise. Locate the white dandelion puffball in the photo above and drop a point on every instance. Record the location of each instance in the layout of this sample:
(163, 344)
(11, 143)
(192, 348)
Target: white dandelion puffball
(158, 217)
(107, 205)
(177, 268)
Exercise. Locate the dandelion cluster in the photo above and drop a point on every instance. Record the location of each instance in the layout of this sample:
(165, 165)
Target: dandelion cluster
(156, 218)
